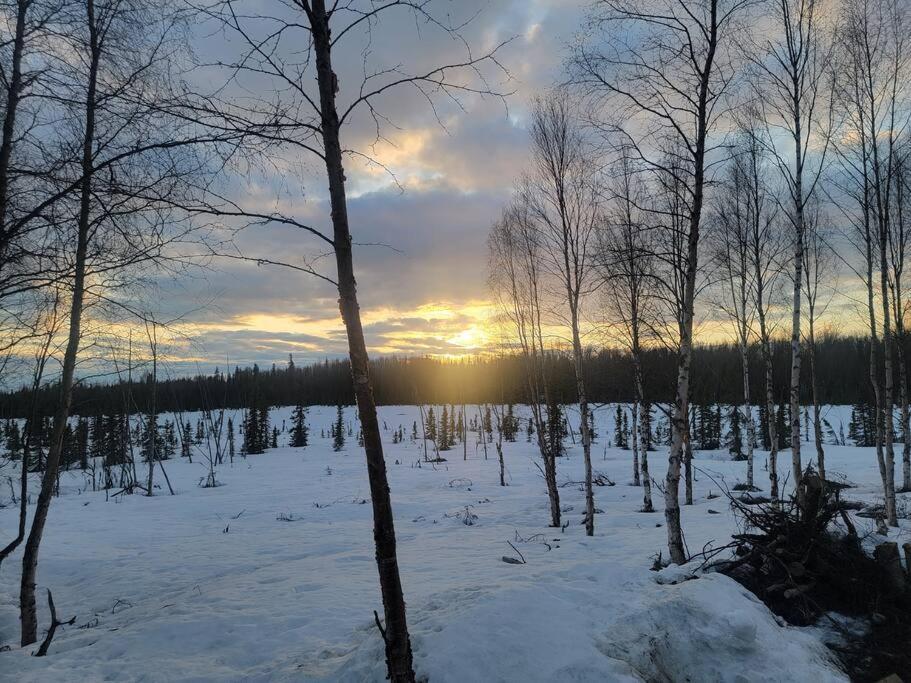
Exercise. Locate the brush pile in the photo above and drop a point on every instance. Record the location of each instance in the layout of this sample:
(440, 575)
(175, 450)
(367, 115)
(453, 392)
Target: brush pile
(804, 559)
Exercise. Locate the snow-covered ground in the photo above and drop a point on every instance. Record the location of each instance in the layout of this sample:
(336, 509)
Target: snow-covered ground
(215, 584)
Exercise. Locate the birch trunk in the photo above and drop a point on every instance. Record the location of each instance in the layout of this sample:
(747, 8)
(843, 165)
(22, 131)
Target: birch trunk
(746, 409)
(796, 467)
(634, 426)
(395, 635)
(888, 381)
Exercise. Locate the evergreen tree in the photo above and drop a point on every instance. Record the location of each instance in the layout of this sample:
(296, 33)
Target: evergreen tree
(764, 426)
(185, 441)
(460, 427)
(338, 435)
(488, 424)
(645, 417)
(510, 424)
(443, 445)
(151, 446)
(414, 431)
(13, 439)
(299, 429)
(621, 429)
(263, 426)
(592, 433)
(554, 427)
(81, 445)
(169, 442)
(431, 426)
(231, 439)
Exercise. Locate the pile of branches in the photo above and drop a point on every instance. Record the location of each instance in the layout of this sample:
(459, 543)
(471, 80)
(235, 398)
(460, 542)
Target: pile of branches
(804, 559)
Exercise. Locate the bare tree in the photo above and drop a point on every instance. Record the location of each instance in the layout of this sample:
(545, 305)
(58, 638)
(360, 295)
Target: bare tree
(899, 240)
(733, 251)
(126, 172)
(626, 264)
(792, 68)
(50, 322)
(662, 73)
(818, 266)
(873, 95)
(564, 200)
(515, 276)
(291, 47)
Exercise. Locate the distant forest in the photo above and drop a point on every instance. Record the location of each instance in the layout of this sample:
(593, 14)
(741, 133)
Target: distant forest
(842, 374)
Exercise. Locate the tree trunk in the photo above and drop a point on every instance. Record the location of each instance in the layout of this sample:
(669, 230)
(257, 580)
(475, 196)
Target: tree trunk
(27, 607)
(747, 411)
(814, 386)
(796, 467)
(642, 434)
(634, 427)
(583, 428)
(888, 381)
(395, 634)
(766, 348)
(905, 416)
(688, 467)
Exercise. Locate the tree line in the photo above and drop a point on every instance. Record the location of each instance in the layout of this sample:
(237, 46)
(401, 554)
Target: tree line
(842, 362)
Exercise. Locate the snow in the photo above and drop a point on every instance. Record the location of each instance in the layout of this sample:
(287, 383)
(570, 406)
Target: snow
(210, 585)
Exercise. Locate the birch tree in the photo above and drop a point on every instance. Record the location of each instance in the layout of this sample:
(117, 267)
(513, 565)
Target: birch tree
(564, 200)
(515, 276)
(658, 71)
(791, 71)
(818, 266)
(626, 265)
(305, 108)
(131, 161)
(733, 255)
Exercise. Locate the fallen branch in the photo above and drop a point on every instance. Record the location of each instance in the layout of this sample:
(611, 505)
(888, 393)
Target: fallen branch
(42, 651)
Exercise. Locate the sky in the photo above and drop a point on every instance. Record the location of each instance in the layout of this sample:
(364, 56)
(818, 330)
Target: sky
(421, 197)
(419, 223)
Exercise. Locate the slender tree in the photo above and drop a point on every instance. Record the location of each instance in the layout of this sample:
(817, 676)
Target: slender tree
(564, 199)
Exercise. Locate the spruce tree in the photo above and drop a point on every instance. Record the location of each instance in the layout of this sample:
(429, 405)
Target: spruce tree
(620, 431)
(338, 431)
(231, 439)
(299, 429)
(13, 440)
(431, 426)
(82, 443)
(443, 445)
(263, 426)
(185, 441)
(554, 426)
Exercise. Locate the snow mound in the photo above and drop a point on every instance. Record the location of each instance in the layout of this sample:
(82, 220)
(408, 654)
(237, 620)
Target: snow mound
(708, 629)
